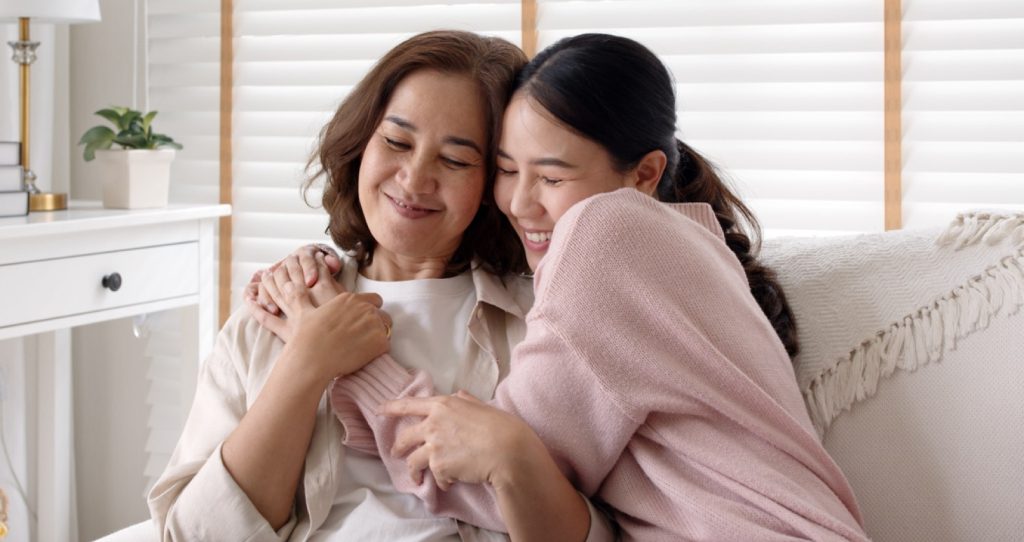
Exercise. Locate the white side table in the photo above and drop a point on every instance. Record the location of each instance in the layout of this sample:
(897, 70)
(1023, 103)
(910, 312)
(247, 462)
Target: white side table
(86, 265)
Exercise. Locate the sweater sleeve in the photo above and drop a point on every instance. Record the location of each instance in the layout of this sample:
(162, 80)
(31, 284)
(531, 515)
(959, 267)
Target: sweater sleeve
(196, 498)
(584, 434)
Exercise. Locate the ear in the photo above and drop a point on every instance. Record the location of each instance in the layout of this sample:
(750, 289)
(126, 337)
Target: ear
(648, 171)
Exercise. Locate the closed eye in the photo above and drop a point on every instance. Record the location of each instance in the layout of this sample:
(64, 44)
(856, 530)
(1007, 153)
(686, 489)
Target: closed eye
(550, 181)
(505, 172)
(396, 144)
(453, 163)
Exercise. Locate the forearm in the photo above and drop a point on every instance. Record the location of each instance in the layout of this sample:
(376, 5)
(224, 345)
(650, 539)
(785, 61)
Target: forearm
(267, 450)
(537, 502)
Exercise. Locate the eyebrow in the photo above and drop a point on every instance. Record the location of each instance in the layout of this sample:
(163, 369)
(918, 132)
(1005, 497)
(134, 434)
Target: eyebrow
(450, 140)
(547, 161)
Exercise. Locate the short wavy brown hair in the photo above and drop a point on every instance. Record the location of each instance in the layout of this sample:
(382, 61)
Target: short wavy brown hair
(493, 64)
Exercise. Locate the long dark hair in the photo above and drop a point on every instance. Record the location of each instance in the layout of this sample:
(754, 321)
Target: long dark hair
(616, 92)
(492, 63)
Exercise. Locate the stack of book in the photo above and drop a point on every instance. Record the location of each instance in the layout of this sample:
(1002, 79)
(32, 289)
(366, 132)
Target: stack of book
(13, 196)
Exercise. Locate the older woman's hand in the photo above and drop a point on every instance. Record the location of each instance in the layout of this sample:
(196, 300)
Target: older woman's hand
(336, 338)
(463, 439)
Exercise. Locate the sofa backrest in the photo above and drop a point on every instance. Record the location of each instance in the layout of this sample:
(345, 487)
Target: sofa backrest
(912, 368)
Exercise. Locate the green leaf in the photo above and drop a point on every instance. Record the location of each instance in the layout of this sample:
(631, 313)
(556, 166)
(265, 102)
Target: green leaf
(96, 133)
(170, 144)
(163, 141)
(147, 120)
(97, 137)
(113, 116)
(132, 121)
(120, 110)
(133, 141)
(91, 148)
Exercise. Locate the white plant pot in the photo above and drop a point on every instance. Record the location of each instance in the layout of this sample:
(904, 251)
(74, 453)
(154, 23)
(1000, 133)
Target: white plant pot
(135, 179)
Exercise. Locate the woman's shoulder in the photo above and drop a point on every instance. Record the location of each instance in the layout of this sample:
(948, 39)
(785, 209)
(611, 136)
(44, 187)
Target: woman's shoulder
(243, 346)
(627, 213)
(621, 240)
(626, 224)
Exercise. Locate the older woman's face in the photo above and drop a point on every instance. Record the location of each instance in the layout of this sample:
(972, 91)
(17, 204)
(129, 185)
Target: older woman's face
(422, 174)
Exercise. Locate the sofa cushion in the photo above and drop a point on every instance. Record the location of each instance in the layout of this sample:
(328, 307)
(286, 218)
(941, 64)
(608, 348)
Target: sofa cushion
(912, 368)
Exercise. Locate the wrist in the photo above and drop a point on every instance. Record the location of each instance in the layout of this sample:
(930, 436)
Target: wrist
(525, 462)
(296, 370)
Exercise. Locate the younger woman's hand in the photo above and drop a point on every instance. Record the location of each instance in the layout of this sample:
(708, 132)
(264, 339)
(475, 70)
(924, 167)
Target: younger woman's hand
(307, 267)
(272, 284)
(463, 439)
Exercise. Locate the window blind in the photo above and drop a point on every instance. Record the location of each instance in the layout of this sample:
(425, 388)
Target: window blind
(784, 95)
(963, 108)
(183, 84)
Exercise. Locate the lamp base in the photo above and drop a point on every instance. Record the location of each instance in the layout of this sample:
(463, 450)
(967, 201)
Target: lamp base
(47, 201)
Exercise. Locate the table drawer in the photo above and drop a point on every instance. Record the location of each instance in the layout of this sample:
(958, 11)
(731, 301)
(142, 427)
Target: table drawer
(60, 287)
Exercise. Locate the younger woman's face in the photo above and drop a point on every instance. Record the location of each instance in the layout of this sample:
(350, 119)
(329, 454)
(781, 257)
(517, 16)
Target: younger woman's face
(543, 169)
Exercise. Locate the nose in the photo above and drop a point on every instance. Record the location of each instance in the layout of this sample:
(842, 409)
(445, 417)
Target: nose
(417, 176)
(524, 202)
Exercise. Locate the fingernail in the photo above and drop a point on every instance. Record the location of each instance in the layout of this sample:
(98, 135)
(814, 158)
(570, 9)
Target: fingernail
(271, 308)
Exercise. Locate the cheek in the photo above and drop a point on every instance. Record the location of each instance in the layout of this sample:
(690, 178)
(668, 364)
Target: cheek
(503, 188)
(375, 166)
(468, 194)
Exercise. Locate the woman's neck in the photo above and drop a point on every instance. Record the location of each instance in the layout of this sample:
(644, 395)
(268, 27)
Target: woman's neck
(388, 266)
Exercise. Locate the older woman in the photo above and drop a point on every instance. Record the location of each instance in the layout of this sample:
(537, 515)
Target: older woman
(407, 160)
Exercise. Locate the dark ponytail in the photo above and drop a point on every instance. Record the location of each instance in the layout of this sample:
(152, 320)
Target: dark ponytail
(695, 179)
(616, 92)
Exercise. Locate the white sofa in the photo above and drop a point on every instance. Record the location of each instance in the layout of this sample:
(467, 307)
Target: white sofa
(912, 366)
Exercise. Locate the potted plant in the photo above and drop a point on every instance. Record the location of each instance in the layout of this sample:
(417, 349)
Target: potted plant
(138, 174)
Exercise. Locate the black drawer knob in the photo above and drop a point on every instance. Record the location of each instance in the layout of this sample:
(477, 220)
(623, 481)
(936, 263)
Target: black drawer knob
(112, 282)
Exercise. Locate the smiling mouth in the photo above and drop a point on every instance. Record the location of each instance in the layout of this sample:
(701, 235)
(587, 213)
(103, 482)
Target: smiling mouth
(538, 237)
(536, 241)
(409, 210)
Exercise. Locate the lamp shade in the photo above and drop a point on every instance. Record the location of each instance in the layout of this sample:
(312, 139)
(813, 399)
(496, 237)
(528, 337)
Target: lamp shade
(51, 11)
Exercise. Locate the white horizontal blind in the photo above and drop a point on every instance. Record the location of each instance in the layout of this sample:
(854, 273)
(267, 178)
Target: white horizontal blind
(182, 83)
(963, 108)
(184, 86)
(784, 95)
(294, 62)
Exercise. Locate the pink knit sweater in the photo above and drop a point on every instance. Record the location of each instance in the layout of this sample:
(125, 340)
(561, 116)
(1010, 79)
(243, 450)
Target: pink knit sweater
(655, 381)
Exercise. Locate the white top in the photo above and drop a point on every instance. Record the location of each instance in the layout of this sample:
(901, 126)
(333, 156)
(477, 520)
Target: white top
(430, 318)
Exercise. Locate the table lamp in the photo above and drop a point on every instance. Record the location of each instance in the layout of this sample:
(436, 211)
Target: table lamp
(46, 11)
